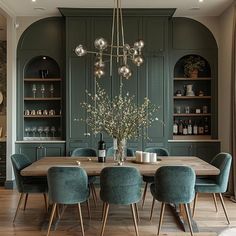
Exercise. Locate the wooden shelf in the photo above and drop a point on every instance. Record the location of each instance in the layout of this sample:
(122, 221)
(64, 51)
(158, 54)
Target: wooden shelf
(42, 116)
(41, 99)
(192, 114)
(42, 79)
(192, 137)
(191, 79)
(191, 97)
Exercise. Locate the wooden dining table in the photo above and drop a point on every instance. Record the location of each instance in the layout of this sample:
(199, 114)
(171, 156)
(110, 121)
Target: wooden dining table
(93, 168)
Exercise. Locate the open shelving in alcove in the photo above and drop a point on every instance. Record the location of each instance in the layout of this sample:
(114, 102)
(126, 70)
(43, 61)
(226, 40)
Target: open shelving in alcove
(192, 100)
(42, 99)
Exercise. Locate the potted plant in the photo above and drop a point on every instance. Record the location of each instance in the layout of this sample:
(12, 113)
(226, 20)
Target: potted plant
(192, 65)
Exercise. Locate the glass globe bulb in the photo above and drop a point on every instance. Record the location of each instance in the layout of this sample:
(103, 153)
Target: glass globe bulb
(99, 73)
(138, 60)
(139, 44)
(80, 51)
(100, 43)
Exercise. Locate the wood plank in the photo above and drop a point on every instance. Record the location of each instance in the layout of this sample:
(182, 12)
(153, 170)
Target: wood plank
(29, 222)
(92, 167)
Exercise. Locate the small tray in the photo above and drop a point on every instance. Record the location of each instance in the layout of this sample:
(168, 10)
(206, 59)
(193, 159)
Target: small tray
(146, 163)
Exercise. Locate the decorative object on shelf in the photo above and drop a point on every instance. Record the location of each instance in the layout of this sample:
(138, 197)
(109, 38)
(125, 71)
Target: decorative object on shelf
(201, 93)
(178, 109)
(42, 90)
(178, 93)
(27, 112)
(53, 130)
(118, 49)
(51, 112)
(32, 112)
(120, 117)
(204, 109)
(198, 111)
(39, 112)
(34, 89)
(192, 65)
(45, 112)
(43, 73)
(51, 90)
(187, 109)
(189, 90)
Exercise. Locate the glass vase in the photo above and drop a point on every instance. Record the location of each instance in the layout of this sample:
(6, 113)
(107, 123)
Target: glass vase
(119, 146)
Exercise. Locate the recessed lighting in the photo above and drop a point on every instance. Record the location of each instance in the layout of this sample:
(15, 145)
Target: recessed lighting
(33, 0)
(201, 0)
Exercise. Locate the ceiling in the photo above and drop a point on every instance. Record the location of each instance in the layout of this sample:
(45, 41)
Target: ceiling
(49, 7)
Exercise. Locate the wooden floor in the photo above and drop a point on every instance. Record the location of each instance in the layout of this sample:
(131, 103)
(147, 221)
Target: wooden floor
(33, 221)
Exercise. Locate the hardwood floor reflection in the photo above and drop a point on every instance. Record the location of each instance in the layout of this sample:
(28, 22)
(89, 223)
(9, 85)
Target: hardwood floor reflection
(31, 222)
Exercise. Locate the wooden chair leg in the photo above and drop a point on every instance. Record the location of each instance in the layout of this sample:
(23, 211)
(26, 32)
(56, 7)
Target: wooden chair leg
(224, 208)
(18, 205)
(134, 219)
(153, 203)
(137, 212)
(194, 203)
(161, 217)
(81, 219)
(88, 207)
(215, 201)
(104, 218)
(188, 218)
(51, 218)
(103, 211)
(45, 201)
(144, 193)
(26, 198)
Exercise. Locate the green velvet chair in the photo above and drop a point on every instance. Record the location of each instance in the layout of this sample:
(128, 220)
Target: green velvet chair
(27, 184)
(120, 185)
(130, 152)
(174, 184)
(150, 179)
(215, 184)
(87, 152)
(67, 186)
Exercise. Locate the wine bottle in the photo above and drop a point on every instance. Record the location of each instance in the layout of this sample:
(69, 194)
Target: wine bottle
(185, 128)
(180, 127)
(175, 128)
(206, 126)
(190, 130)
(195, 128)
(201, 128)
(101, 149)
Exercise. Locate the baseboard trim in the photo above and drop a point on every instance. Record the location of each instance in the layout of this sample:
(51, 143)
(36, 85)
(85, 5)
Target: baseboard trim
(10, 184)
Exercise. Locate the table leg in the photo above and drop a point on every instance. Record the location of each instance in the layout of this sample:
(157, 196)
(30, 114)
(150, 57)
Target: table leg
(181, 217)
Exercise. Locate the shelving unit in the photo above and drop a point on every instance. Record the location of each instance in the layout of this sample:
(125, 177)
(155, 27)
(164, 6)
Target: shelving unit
(194, 109)
(42, 100)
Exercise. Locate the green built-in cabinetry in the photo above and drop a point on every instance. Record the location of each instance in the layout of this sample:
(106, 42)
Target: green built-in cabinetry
(151, 79)
(37, 150)
(203, 149)
(167, 41)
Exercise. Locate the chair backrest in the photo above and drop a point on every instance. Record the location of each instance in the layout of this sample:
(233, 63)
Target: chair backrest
(19, 162)
(86, 152)
(130, 152)
(158, 151)
(67, 185)
(120, 185)
(222, 161)
(175, 184)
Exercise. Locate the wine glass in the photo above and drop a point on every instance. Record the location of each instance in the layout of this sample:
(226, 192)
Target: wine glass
(53, 130)
(51, 90)
(42, 90)
(27, 130)
(46, 130)
(33, 130)
(34, 89)
(40, 130)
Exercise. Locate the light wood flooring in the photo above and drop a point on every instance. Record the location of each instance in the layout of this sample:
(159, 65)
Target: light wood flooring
(33, 221)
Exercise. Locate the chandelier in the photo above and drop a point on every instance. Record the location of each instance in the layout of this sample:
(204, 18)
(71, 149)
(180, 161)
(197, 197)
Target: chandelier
(118, 49)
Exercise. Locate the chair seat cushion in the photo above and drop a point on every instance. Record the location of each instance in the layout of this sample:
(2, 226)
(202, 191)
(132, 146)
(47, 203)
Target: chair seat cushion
(148, 179)
(204, 185)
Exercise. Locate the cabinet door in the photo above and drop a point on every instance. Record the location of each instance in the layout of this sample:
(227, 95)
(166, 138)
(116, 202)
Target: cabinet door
(207, 151)
(155, 91)
(36, 151)
(181, 149)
